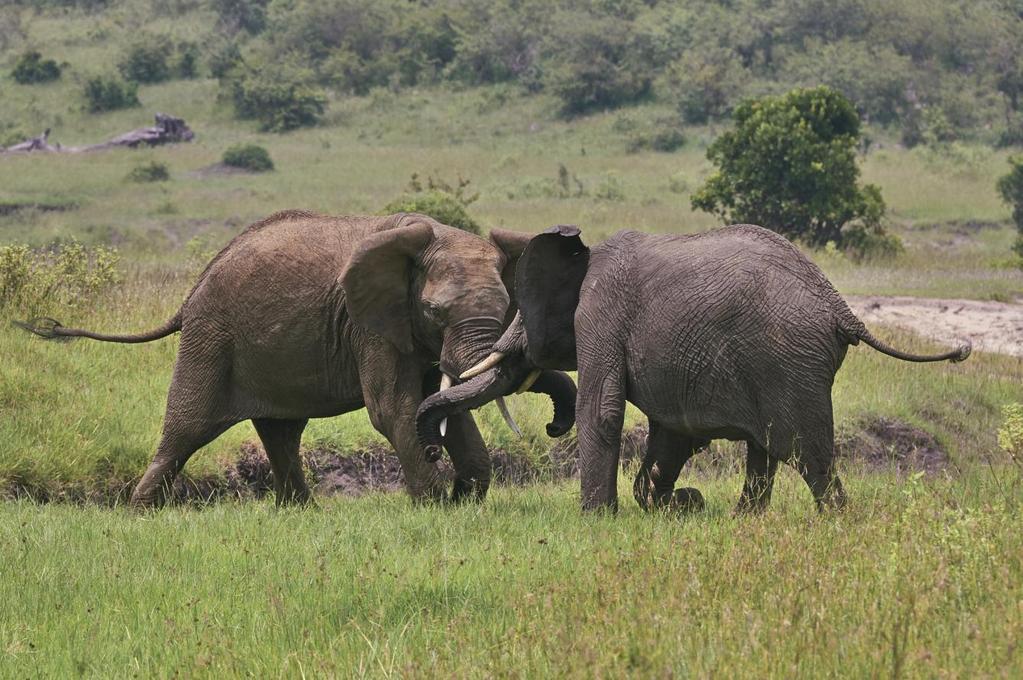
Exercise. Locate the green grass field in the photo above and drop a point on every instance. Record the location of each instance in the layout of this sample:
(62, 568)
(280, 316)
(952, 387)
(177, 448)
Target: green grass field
(922, 576)
(919, 578)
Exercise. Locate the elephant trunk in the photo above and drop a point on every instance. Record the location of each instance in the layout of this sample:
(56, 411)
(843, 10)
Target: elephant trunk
(467, 342)
(488, 386)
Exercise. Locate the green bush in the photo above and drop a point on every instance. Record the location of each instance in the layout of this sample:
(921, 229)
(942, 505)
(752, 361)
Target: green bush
(62, 276)
(443, 202)
(1010, 188)
(148, 60)
(109, 93)
(789, 164)
(153, 171)
(610, 188)
(280, 97)
(250, 157)
(32, 68)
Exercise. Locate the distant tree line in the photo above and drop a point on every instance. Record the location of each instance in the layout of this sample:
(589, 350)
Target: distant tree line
(931, 70)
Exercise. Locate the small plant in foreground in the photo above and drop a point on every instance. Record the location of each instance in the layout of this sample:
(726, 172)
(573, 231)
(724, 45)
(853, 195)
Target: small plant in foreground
(1010, 187)
(64, 275)
(31, 68)
(440, 200)
(109, 93)
(154, 171)
(1010, 435)
(249, 157)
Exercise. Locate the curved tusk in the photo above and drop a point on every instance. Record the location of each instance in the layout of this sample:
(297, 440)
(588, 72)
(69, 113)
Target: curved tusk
(528, 382)
(493, 360)
(503, 408)
(445, 383)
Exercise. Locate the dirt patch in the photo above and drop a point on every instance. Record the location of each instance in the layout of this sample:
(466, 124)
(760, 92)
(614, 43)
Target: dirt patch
(990, 326)
(886, 443)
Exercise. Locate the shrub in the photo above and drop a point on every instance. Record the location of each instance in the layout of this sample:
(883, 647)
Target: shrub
(109, 93)
(250, 157)
(187, 63)
(64, 275)
(147, 60)
(154, 171)
(224, 58)
(281, 98)
(1010, 187)
(32, 68)
(790, 165)
(439, 200)
(664, 135)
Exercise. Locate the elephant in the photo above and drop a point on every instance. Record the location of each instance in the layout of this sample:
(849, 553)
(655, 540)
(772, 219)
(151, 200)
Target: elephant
(727, 334)
(304, 315)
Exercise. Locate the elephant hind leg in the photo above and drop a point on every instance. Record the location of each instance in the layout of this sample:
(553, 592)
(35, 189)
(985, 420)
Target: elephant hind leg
(812, 453)
(760, 470)
(666, 454)
(281, 439)
(177, 444)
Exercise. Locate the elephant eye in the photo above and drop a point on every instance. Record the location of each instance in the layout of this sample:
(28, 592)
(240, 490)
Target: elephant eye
(433, 311)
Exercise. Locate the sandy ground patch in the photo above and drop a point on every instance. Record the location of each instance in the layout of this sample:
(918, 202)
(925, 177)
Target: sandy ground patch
(991, 326)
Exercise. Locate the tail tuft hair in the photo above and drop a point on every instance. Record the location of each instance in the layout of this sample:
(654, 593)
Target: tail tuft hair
(962, 352)
(44, 327)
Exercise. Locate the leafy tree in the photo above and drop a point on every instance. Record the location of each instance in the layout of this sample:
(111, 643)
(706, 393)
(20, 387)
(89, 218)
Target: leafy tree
(595, 62)
(1010, 187)
(790, 165)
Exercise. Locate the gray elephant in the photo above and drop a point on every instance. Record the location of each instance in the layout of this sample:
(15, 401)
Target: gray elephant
(731, 334)
(307, 316)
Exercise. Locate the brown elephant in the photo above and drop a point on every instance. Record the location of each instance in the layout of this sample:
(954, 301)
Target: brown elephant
(731, 334)
(308, 316)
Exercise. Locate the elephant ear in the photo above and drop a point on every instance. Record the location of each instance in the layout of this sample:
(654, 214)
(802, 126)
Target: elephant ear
(378, 282)
(548, 278)
(511, 243)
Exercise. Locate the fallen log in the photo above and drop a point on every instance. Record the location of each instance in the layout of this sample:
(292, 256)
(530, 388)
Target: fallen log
(168, 130)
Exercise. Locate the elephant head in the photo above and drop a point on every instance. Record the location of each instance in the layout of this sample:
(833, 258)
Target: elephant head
(426, 285)
(538, 344)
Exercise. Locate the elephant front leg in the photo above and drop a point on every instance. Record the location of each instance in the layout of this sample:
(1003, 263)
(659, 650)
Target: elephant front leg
(392, 390)
(600, 414)
(470, 458)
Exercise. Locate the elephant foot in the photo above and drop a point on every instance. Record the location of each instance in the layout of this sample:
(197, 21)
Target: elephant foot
(469, 491)
(686, 500)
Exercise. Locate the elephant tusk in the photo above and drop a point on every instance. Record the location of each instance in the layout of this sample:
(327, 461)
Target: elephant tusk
(445, 383)
(506, 414)
(528, 382)
(493, 360)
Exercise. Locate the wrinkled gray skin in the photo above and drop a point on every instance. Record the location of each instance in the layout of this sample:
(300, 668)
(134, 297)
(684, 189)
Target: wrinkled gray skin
(728, 334)
(307, 316)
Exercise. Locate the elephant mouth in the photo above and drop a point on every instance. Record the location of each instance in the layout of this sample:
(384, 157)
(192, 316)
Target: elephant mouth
(509, 376)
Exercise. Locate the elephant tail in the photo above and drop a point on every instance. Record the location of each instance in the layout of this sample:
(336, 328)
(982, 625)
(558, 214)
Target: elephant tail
(51, 329)
(955, 356)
